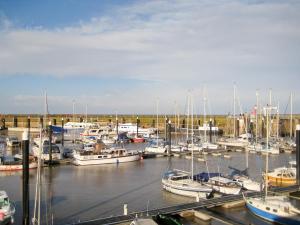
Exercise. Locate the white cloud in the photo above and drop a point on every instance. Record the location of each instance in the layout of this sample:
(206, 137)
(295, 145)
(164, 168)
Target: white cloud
(180, 44)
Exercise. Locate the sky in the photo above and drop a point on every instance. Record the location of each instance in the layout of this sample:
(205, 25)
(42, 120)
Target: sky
(127, 57)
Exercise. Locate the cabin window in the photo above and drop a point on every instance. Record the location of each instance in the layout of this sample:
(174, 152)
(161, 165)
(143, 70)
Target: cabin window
(268, 208)
(250, 202)
(275, 210)
(99, 157)
(105, 156)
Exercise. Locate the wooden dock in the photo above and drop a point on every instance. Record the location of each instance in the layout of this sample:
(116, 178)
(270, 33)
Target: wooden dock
(201, 205)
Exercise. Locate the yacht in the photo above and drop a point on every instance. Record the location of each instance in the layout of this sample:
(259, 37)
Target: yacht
(56, 153)
(131, 128)
(283, 176)
(274, 209)
(180, 182)
(224, 185)
(103, 155)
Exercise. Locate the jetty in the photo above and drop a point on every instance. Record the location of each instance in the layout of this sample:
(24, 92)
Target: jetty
(203, 205)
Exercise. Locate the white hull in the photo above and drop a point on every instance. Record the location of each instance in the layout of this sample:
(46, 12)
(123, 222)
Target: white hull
(84, 160)
(186, 188)
(227, 190)
(247, 183)
(155, 149)
(32, 165)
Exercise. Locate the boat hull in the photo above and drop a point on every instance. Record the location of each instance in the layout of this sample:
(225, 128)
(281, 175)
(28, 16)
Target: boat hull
(270, 216)
(184, 190)
(32, 165)
(85, 160)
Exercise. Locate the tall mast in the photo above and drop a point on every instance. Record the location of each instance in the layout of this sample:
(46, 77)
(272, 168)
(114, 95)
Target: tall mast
(278, 120)
(45, 109)
(267, 155)
(187, 120)
(234, 131)
(86, 112)
(256, 117)
(204, 116)
(157, 122)
(192, 121)
(291, 117)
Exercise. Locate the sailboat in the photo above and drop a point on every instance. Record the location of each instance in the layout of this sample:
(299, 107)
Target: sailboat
(156, 148)
(206, 145)
(277, 209)
(182, 182)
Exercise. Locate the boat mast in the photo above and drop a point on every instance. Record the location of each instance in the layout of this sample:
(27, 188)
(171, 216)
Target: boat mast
(234, 111)
(267, 154)
(256, 117)
(45, 109)
(204, 117)
(187, 120)
(278, 120)
(291, 117)
(73, 120)
(192, 121)
(157, 101)
(86, 112)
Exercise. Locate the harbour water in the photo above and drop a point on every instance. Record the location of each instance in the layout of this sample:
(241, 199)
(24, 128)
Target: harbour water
(71, 194)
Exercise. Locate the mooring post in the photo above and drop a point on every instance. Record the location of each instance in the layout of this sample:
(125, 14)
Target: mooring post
(62, 132)
(117, 128)
(238, 127)
(210, 131)
(15, 119)
(3, 123)
(137, 126)
(125, 210)
(298, 153)
(25, 177)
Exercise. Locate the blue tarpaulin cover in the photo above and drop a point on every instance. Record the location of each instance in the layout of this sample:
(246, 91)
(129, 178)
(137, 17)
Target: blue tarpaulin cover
(205, 176)
(56, 129)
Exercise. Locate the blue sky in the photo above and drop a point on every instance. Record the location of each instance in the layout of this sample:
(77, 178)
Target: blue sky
(124, 55)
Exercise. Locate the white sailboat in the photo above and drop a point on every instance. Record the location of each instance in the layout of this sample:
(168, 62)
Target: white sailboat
(277, 209)
(182, 182)
(156, 148)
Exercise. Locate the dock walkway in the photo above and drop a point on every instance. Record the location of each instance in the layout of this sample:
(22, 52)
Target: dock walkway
(203, 204)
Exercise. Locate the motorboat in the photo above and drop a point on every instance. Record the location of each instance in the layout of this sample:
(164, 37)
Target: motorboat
(283, 176)
(104, 155)
(15, 163)
(224, 185)
(160, 149)
(56, 153)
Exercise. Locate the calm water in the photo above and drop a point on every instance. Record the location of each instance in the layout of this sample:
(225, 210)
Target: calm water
(72, 194)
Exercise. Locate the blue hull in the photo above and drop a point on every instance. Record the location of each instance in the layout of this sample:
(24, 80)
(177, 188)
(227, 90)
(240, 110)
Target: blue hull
(272, 217)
